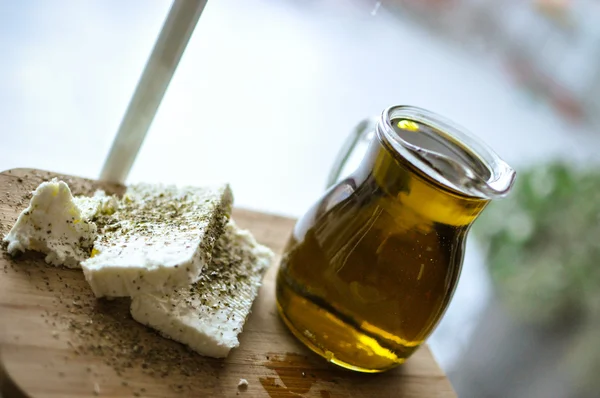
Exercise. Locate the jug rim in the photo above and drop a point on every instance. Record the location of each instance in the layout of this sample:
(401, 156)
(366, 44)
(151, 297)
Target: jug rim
(470, 167)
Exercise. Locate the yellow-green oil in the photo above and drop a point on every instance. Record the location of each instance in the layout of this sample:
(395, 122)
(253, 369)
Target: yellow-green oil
(371, 268)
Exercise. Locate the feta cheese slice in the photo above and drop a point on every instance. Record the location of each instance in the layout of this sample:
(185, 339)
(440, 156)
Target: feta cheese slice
(158, 240)
(209, 315)
(58, 224)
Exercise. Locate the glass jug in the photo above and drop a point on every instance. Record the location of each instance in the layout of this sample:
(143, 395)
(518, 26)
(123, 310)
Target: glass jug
(370, 269)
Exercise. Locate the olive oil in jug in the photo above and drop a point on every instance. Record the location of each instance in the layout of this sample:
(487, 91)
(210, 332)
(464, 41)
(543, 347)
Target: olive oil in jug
(369, 271)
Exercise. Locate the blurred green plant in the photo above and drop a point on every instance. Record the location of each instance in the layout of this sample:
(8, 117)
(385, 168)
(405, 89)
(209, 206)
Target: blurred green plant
(543, 243)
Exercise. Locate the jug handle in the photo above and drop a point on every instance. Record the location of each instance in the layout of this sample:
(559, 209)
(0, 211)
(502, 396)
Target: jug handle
(364, 131)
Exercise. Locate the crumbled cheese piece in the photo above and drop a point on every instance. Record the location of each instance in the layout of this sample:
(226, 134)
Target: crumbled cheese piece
(209, 315)
(157, 240)
(243, 383)
(99, 204)
(58, 224)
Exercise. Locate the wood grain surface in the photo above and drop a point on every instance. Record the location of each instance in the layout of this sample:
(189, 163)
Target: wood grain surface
(57, 340)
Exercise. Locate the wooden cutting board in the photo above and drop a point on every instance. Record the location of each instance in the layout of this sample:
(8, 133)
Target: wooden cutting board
(57, 340)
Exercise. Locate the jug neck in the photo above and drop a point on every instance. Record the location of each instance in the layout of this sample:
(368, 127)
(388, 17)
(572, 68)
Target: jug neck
(444, 153)
(415, 198)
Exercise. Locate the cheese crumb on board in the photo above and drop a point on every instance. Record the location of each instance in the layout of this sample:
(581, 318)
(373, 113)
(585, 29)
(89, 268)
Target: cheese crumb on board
(158, 240)
(58, 224)
(209, 315)
(243, 383)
